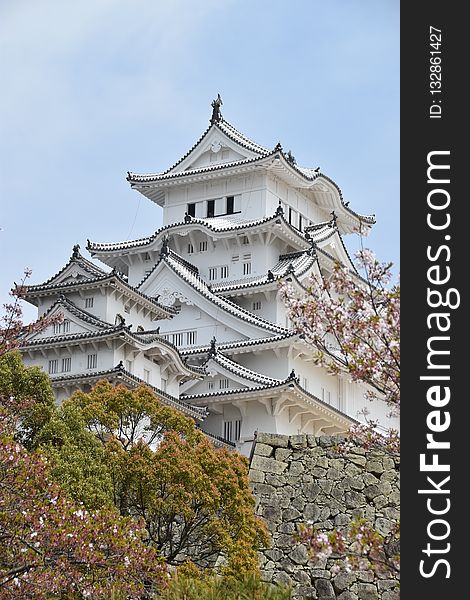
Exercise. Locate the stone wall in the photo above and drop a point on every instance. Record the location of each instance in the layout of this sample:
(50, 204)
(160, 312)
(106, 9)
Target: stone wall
(301, 478)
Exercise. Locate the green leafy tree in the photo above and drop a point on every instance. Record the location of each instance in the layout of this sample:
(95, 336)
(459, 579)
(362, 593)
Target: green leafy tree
(26, 396)
(154, 464)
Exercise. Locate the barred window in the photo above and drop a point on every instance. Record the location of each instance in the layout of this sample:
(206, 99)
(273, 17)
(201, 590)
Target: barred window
(232, 430)
(92, 360)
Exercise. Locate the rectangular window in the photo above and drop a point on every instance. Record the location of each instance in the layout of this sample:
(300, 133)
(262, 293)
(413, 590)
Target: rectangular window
(232, 430)
(305, 383)
(92, 360)
(247, 268)
(146, 256)
(300, 222)
(230, 202)
(257, 305)
(212, 273)
(190, 249)
(66, 326)
(228, 430)
(66, 364)
(210, 385)
(89, 302)
(223, 272)
(163, 385)
(127, 309)
(203, 246)
(247, 256)
(223, 384)
(291, 215)
(191, 337)
(210, 208)
(191, 210)
(53, 366)
(146, 376)
(244, 240)
(235, 258)
(56, 328)
(129, 365)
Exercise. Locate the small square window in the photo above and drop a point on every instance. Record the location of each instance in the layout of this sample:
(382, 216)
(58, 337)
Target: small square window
(257, 305)
(203, 246)
(190, 249)
(53, 366)
(223, 272)
(66, 364)
(89, 302)
(247, 268)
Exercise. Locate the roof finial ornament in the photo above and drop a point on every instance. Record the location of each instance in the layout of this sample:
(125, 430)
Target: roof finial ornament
(212, 349)
(292, 375)
(279, 209)
(290, 269)
(76, 250)
(333, 218)
(278, 147)
(270, 275)
(164, 250)
(216, 114)
(187, 217)
(291, 158)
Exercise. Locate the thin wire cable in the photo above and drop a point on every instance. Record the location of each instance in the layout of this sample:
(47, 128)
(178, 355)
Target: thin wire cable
(135, 218)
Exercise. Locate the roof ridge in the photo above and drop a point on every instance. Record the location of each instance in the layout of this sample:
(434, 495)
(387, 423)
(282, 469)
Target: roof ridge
(236, 368)
(83, 262)
(237, 226)
(119, 369)
(203, 288)
(84, 315)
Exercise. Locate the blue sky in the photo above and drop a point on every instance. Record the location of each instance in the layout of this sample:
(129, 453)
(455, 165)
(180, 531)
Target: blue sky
(95, 88)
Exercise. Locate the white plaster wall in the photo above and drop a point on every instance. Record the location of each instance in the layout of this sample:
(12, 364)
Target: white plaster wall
(190, 318)
(251, 187)
(266, 362)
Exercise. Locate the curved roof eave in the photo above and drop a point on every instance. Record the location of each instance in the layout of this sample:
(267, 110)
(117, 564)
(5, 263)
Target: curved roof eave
(98, 248)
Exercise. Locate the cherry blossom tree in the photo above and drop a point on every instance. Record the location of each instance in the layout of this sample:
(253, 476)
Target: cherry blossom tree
(360, 547)
(53, 547)
(12, 328)
(353, 324)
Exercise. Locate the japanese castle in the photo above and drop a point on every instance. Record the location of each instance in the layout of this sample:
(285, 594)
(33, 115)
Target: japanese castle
(194, 309)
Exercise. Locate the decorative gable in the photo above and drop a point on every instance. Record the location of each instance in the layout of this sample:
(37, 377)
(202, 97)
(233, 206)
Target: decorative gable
(216, 148)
